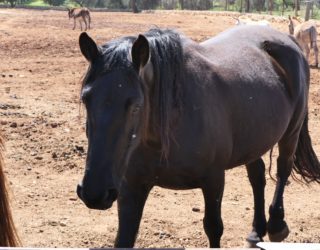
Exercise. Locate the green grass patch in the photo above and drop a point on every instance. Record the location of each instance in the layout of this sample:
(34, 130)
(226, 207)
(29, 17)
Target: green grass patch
(37, 3)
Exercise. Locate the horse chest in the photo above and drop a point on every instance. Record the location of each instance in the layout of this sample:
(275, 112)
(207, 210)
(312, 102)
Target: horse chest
(172, 176)
(177, 180)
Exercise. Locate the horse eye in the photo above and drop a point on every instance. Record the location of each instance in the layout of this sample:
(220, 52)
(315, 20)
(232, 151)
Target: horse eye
(136, 109)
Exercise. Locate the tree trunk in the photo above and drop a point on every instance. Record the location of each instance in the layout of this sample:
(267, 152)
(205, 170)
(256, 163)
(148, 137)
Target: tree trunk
(241, 4)
(149, 4)
(121, 4)
(155, 3)
(296, 6)
(12, 3)
(247, 6)
(259, 5)
(309, 6)
(133, 5)
(181, 2)
(270, 6)
(144, 4)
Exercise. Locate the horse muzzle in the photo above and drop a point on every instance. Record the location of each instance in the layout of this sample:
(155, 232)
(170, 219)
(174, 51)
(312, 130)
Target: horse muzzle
(102, 202)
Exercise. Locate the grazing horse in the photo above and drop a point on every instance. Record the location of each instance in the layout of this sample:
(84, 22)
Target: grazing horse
(82, 14)
(163, 110)
(8, 234)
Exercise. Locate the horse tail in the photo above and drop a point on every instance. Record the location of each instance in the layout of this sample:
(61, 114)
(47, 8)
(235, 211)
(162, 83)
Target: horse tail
(306, 162)
(8, 233)
(313, 37)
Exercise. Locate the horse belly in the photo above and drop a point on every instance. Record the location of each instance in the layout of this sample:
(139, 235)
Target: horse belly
(260, 131)
(185, 169)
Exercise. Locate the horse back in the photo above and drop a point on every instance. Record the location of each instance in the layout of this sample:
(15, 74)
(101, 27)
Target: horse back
(256, 48)
(80, 12)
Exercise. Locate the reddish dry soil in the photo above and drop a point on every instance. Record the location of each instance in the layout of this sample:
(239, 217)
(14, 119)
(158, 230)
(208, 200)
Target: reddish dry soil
(43, 123)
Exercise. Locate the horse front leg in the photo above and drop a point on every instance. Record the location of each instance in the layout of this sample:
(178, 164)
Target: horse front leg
(131, 202)
(212, 221)
(256, 174)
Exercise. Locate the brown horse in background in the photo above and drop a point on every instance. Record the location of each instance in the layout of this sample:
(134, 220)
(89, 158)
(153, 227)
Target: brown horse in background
(306, 35)
(8, 233)
(82, 14)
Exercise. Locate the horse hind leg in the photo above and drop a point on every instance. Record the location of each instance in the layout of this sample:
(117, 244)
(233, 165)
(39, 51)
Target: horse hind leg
(256, 174)
(313, 43)
(85, 22)
(307, 51)
(277, 227)
(316, 52)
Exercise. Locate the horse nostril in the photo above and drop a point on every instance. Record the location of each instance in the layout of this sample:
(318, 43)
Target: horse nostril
(100, 200)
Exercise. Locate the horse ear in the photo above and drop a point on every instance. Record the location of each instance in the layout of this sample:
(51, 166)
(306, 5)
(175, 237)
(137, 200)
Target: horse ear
(140, 52)
(88, 47)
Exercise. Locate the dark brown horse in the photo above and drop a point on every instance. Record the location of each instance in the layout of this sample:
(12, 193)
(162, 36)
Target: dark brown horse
(164, 110)
(8, 234)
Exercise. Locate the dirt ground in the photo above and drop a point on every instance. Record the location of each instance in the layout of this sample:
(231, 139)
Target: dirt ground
(43, 122)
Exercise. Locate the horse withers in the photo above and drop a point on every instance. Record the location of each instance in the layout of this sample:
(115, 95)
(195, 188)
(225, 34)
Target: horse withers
(163, 110)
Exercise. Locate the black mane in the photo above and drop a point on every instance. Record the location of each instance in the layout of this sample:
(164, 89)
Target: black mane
(166, 57)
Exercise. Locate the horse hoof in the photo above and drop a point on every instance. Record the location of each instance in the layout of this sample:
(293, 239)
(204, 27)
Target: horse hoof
(250, 244)
(280, 236)
(252, 240)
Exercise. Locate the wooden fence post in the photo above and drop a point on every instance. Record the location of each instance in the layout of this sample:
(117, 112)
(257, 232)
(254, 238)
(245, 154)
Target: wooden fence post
(309, 6)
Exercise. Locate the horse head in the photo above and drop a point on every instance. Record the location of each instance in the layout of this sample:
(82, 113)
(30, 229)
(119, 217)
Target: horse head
(113, 95)
(70, 12)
